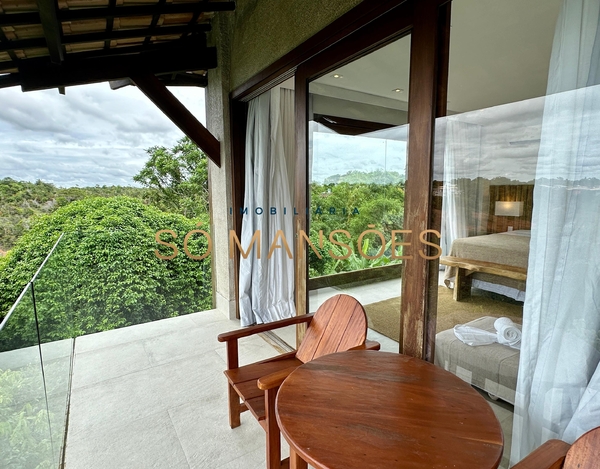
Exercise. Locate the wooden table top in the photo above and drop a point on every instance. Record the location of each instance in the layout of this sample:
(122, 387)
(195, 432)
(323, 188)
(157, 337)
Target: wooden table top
(367, 409)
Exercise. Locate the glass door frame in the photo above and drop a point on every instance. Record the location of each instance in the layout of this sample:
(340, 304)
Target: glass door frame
(428, 22)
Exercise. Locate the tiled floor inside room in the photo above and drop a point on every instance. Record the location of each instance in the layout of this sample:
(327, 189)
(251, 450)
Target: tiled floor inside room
(154, 396)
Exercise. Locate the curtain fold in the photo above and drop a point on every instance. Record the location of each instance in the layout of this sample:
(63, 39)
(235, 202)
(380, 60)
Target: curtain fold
(462, 204)
(266, 283)
(558, 387)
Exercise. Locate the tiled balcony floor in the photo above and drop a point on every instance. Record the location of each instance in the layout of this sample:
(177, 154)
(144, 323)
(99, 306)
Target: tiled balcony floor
(154, 396)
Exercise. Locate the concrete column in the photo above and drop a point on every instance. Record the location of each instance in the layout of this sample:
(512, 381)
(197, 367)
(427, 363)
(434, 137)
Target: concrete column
(219, 179)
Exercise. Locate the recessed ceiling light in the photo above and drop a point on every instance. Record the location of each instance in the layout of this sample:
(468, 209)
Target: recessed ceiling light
(337, 75)
(397, 90)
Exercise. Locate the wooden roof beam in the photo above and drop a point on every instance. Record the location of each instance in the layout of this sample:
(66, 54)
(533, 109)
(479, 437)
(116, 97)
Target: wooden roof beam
(110, 20)
(182, 56)
(169, 79)
(33, 43)
(154, 21)
(184, 79)
(52, 29)
(19, 19)
(8, 65)
(74, 14)
(158, 93)
(10, 79)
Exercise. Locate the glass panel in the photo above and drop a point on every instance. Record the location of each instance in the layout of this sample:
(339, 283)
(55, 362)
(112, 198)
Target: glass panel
(486, 180)
(55, 318)
(25, 438)
(357, 168)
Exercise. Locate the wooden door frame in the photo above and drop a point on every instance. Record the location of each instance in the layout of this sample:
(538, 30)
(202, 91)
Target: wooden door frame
(358, 32)
(276, 73)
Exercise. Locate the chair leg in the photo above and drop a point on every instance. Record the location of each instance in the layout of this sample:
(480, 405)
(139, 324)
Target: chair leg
(296, 462)
(234, 407)
(273, 434)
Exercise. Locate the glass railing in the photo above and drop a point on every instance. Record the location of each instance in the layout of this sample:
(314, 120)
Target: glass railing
(88, 283)
(35, 376)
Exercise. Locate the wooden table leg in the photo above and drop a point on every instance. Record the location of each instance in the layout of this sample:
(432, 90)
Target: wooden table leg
(462, 285)
(296, 462)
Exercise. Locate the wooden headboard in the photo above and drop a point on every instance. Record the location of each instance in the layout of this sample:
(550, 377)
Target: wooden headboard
(510, 193)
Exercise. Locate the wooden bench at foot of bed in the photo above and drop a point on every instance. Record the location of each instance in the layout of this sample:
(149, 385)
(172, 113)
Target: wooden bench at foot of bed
(465, 267)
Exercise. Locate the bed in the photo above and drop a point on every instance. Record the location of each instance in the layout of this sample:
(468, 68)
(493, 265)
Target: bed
(508, 248)
(492, 368)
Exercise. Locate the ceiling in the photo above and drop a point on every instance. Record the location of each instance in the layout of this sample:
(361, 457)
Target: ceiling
(58, 43)
(499, 53)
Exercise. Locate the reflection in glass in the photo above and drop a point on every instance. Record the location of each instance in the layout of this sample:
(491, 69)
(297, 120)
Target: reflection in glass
(55, 322)
(522, 132)
(486, 156)
(358, 134)
(25, 438)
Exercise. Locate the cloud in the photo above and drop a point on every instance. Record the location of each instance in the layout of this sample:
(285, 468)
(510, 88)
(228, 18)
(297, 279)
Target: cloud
(93, 135)
(339, 154)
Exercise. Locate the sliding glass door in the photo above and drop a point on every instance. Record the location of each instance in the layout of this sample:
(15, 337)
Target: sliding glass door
(362, 172)
(357, 148)
(515, 184)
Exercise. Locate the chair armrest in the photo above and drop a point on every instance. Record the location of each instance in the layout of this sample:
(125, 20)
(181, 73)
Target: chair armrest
(251, 330)
(368, 345)
(274, 380)
(551, 455)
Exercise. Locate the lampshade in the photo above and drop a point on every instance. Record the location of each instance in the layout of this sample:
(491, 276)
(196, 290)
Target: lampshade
(509, 209)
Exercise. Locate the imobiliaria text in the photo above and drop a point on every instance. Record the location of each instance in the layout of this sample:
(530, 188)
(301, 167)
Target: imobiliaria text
(423, 246)
(293, 211)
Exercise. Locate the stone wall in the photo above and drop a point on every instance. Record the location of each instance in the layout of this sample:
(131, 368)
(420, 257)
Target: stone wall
(265, 30)
(248, 40)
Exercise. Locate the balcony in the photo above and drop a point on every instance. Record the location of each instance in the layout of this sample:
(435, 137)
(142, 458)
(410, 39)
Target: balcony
(147, 395)
(153, 395)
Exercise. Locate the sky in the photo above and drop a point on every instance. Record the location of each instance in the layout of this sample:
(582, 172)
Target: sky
(97, 136)
(90, 136)
(339, 154)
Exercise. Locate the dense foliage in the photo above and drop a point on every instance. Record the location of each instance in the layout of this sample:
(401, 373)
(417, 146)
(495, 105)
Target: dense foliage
(353, 202)
(24, 433)
(104, 273)
(177, 178)
(22, 201)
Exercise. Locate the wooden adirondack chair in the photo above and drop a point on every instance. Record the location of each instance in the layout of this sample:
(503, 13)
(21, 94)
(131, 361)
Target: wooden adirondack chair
(339, 324)
(556, 454)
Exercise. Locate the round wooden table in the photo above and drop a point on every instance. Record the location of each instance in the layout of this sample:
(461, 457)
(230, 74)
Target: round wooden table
(367, 409)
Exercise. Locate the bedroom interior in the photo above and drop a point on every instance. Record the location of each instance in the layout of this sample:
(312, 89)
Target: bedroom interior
(493, 157)
(486, 151)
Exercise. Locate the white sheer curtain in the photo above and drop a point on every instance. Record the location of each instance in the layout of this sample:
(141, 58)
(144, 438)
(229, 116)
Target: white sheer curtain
(558, 388)
(462, 185)
(266, 284)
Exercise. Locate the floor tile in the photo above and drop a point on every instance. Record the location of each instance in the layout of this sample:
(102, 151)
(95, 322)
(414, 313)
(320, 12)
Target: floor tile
(288, 335)
(114, 402)
(124, 335)
(251, 350)
(387, 344)
(110, 362)
(147, 443)
(182, 344)
(193, 379)
(207, 439)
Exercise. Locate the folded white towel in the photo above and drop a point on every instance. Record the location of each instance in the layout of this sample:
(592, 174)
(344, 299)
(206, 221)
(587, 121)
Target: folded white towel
(473, 335)
(509, 333)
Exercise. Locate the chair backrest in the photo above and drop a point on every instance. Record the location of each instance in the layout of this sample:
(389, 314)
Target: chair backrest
(338, 325)
(585, 452)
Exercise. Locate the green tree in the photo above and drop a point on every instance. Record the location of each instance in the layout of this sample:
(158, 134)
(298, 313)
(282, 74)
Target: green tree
(24, 432)
(353, 203)
(21, 202)
(104, 273)
(177, 178)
